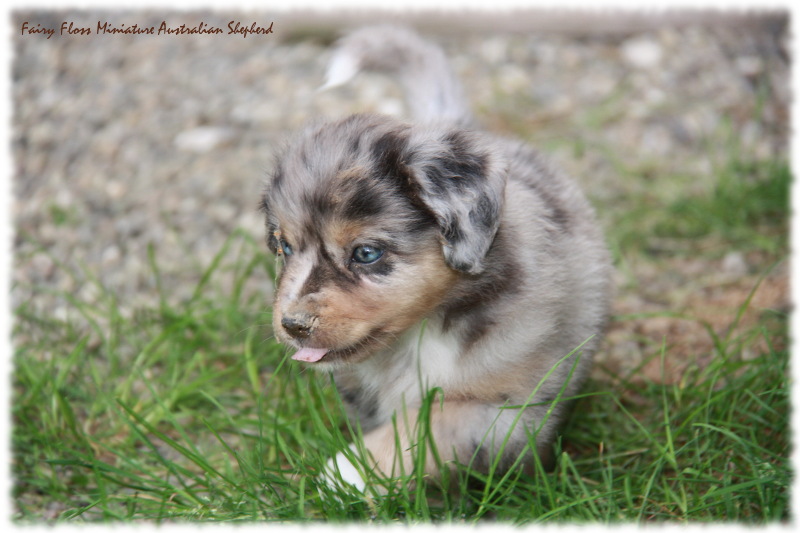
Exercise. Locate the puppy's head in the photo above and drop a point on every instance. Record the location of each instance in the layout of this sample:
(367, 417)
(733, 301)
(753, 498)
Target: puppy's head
(375, 221)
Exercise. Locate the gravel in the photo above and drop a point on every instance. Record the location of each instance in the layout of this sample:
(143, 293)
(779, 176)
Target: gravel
(125, 142)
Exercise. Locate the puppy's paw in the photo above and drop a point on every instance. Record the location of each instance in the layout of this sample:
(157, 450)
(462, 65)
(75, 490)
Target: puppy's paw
(340, 473)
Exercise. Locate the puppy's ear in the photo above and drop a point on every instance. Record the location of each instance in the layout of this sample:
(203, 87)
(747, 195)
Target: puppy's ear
(462, 182)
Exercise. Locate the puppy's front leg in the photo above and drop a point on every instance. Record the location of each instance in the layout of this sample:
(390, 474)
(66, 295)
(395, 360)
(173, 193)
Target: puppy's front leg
(468, 432)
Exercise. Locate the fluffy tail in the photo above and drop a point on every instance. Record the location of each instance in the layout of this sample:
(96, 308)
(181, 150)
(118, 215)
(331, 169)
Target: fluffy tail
(432, 90)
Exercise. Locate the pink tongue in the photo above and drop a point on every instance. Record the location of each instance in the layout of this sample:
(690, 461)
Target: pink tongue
(309, 355)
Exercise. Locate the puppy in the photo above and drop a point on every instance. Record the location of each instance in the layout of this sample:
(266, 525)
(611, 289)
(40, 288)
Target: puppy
(428, 254)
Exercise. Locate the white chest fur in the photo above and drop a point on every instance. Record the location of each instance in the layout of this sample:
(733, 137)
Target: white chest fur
(423, 358)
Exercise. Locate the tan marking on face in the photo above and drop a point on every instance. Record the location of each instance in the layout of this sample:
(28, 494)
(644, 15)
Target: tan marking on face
(371, 314)
(411, 291)
(343, 233)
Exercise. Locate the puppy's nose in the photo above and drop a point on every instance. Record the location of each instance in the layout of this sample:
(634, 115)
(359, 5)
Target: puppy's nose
(298, 326)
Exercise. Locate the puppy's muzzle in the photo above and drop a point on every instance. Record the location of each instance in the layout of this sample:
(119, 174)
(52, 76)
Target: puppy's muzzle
(298, 325)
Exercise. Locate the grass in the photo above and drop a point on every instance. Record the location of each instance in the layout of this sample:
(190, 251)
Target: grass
(757, 189)
(188, 411)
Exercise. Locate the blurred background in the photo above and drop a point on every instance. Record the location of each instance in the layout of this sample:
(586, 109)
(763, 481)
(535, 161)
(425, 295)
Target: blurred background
(127, 143)
(136, 159)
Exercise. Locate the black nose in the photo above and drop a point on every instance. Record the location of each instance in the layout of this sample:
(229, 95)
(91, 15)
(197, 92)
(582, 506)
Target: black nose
(298, 326)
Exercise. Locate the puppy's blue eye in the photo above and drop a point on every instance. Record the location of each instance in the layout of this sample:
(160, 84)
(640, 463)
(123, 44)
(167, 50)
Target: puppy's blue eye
(366, 254)
(285, 247)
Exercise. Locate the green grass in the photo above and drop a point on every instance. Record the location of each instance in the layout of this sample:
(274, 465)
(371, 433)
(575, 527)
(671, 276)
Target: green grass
(745, 207)
(187, 410)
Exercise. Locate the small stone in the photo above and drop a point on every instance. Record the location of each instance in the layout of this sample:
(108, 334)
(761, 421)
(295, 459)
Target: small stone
(750, 66)
(494, 50)
(641, 52)
(111, 255)
(734, 264)
(203, 139)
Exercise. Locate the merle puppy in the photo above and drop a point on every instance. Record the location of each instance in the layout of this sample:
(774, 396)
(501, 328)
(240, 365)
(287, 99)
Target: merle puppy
(428, 254)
